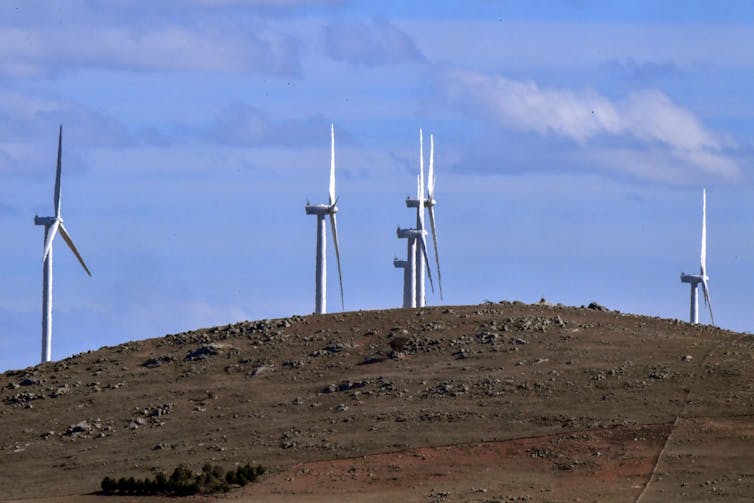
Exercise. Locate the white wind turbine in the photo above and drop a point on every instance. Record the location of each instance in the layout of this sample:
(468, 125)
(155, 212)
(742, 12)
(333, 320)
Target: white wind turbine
(419, 203)
(693, 279)
(52, 226)
(322, 210)
(416, 254)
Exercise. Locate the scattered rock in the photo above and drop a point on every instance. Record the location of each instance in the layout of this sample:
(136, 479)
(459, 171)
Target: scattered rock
(345, 386)
(202, 352)
(259, 369)
(374, 358)
(156, 362)
(328, 350)
(79, 429)
(594, 306)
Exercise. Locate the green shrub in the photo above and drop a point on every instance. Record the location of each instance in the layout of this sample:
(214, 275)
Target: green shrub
(108, 485)
(184, 482)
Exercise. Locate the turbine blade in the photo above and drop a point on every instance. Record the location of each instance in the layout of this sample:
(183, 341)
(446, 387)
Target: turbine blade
(437, 253)
(51, 232)
(334, 225)
(332, 164)
(431, 174)
(421, 162)
(423, 244)
(420, 188)
(704, 233)
(68, 240)
(56, 197)
(705, 289)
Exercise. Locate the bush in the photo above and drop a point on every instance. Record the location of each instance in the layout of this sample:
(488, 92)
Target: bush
(184, 482)
(108, 485)
(399, 343)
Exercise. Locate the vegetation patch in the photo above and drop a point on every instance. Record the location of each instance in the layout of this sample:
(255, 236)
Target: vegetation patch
(184, 481)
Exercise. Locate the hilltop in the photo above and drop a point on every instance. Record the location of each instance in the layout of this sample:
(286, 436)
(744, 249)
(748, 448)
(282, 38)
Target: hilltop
(493, 402)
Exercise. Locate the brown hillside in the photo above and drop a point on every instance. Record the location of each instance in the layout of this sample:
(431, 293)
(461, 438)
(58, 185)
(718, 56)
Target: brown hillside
(496, 402)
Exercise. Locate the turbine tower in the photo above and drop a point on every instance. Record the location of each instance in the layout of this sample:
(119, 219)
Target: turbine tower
(403, 264)
(323, 210)
(693, 279)
(420, 203)
(52, 225)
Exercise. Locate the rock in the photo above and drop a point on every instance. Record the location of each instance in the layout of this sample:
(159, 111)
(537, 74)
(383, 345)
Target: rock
(687, 358)
(202, 352)
(375, 358)
(135, 423)
(284, 324)
(156, 362)
(328, 350)
(260, 369)
(29, 381)
(62, 390)
(597, 307)
(344, 386)
(79, 428)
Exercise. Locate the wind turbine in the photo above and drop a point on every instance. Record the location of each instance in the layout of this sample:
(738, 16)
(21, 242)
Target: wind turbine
(322, 210)
(420, 203)
(702, 278)
(416, 254)
(53, 225)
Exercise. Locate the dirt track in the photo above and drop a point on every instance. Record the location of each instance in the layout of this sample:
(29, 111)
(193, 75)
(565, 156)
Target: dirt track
(498, 402)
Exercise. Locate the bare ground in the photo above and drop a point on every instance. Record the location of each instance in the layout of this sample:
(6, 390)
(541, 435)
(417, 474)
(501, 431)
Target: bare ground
(497, 402)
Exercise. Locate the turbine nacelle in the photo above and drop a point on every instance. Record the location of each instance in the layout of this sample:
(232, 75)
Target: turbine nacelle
(321, 209)
(45, 220)
(693, 278)
(410, 233)
(414, 203)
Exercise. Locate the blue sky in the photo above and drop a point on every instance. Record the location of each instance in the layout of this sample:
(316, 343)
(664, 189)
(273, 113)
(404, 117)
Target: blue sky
(572, 142)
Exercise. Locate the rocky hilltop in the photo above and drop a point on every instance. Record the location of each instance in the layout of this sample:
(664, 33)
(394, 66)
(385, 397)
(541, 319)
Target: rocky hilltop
(493, 402)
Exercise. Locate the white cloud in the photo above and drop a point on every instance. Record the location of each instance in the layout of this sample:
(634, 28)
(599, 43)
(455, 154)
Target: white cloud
(242, 124)
(648, 118)
(25, 117)
(377, 42)
(214, 47)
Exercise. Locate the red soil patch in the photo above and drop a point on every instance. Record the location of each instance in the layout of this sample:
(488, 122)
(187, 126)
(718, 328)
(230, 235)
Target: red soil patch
(605, 464)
